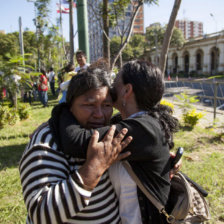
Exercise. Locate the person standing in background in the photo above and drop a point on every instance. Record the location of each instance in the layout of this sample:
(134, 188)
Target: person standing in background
(43, 88)
(81, 59)
(51, 78)
(69, 73)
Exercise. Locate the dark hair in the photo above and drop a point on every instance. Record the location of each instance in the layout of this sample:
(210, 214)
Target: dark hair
(147, 82)
(148, 86)
(43, 71)
(80, 52)
(101, 63)
(69, 67)
(91, 78)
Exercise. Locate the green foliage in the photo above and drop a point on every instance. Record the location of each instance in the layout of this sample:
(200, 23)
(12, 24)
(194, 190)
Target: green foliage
(134, 49)
(8, 116)
(191, 118)
(9, 45)
(12, 116)
(3, 116)
(24, 111)
(186, 101)
(155, 36)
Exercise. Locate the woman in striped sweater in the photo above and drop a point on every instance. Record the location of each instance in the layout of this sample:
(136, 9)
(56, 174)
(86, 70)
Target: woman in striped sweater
(58, 188)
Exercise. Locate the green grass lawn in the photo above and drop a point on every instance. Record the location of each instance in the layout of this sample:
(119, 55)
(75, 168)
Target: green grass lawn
(203, 161)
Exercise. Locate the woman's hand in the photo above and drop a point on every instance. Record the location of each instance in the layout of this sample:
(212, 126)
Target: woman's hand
(100, 155)
(176, 167)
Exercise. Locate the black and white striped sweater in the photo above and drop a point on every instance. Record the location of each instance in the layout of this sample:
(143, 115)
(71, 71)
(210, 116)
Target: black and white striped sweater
(51, 194)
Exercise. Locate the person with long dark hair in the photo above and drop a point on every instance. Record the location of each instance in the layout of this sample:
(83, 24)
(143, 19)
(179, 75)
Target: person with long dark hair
(58, 188)
(138, 89)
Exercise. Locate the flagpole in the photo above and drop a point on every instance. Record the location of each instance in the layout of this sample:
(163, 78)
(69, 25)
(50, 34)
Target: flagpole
(62, 36)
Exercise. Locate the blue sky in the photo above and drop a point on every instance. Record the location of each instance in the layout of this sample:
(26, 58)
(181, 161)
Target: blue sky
(198, 10)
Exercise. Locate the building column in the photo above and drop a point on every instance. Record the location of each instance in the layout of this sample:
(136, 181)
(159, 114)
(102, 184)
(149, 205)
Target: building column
(221, 58)
(192, 61)
(206, 61)
(181, 61)
(169, 64)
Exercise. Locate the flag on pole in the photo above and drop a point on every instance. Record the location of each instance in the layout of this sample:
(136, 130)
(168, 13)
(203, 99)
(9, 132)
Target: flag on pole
(62, 9)
(67, 2)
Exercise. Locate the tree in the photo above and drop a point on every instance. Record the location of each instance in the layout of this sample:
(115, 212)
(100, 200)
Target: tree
(137, 4)
(11, 74)
(177, 39)
(41, 23)
(114, 11)
(9, 44)
(168, 35)
(134, 49)
(106, 43)
(155, 36)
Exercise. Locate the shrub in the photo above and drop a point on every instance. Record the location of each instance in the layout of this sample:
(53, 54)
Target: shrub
(12, 116)
(191, 118)
(3, 116)
(164, 102)
(24, 111)
(186, 101)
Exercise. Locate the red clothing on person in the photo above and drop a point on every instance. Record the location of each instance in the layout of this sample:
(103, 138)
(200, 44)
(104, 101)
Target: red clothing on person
(43, 83)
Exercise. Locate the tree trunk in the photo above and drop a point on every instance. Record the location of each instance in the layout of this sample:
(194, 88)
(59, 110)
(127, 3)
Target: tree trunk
(168, 35)
(106, 42)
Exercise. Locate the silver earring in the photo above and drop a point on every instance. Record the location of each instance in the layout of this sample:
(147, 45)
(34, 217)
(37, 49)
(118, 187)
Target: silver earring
(123, 104)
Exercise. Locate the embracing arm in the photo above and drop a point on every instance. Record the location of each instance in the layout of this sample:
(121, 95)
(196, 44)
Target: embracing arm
(49, 189)
(54, 191)
(74, 139)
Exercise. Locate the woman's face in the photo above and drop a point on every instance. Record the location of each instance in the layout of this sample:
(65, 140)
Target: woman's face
(94, 108)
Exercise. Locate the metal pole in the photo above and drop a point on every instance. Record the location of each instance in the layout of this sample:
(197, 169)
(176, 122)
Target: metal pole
(71, 31)
(216, 40)
(82, 20)
(21, 39)
(215, 100)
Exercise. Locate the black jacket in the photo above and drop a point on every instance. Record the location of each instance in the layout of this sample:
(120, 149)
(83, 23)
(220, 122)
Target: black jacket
(150, 158)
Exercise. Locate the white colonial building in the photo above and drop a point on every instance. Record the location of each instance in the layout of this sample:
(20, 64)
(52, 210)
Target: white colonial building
(203, 55)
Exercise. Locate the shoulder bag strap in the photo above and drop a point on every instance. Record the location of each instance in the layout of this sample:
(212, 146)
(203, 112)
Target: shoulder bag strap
(155, 202)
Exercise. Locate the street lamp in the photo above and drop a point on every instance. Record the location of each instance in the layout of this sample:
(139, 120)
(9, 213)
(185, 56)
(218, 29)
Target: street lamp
(216, 49)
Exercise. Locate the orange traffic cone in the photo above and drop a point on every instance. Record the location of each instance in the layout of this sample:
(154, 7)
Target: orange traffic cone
(169, 78)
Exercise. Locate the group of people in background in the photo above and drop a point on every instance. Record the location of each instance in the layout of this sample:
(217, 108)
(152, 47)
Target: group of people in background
(66, 74)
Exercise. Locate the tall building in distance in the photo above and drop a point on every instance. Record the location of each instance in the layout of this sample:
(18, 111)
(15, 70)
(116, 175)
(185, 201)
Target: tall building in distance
(96, 30)
(190, 29)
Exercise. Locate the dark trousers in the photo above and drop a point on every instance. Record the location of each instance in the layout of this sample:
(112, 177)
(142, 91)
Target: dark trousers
(52, 88)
